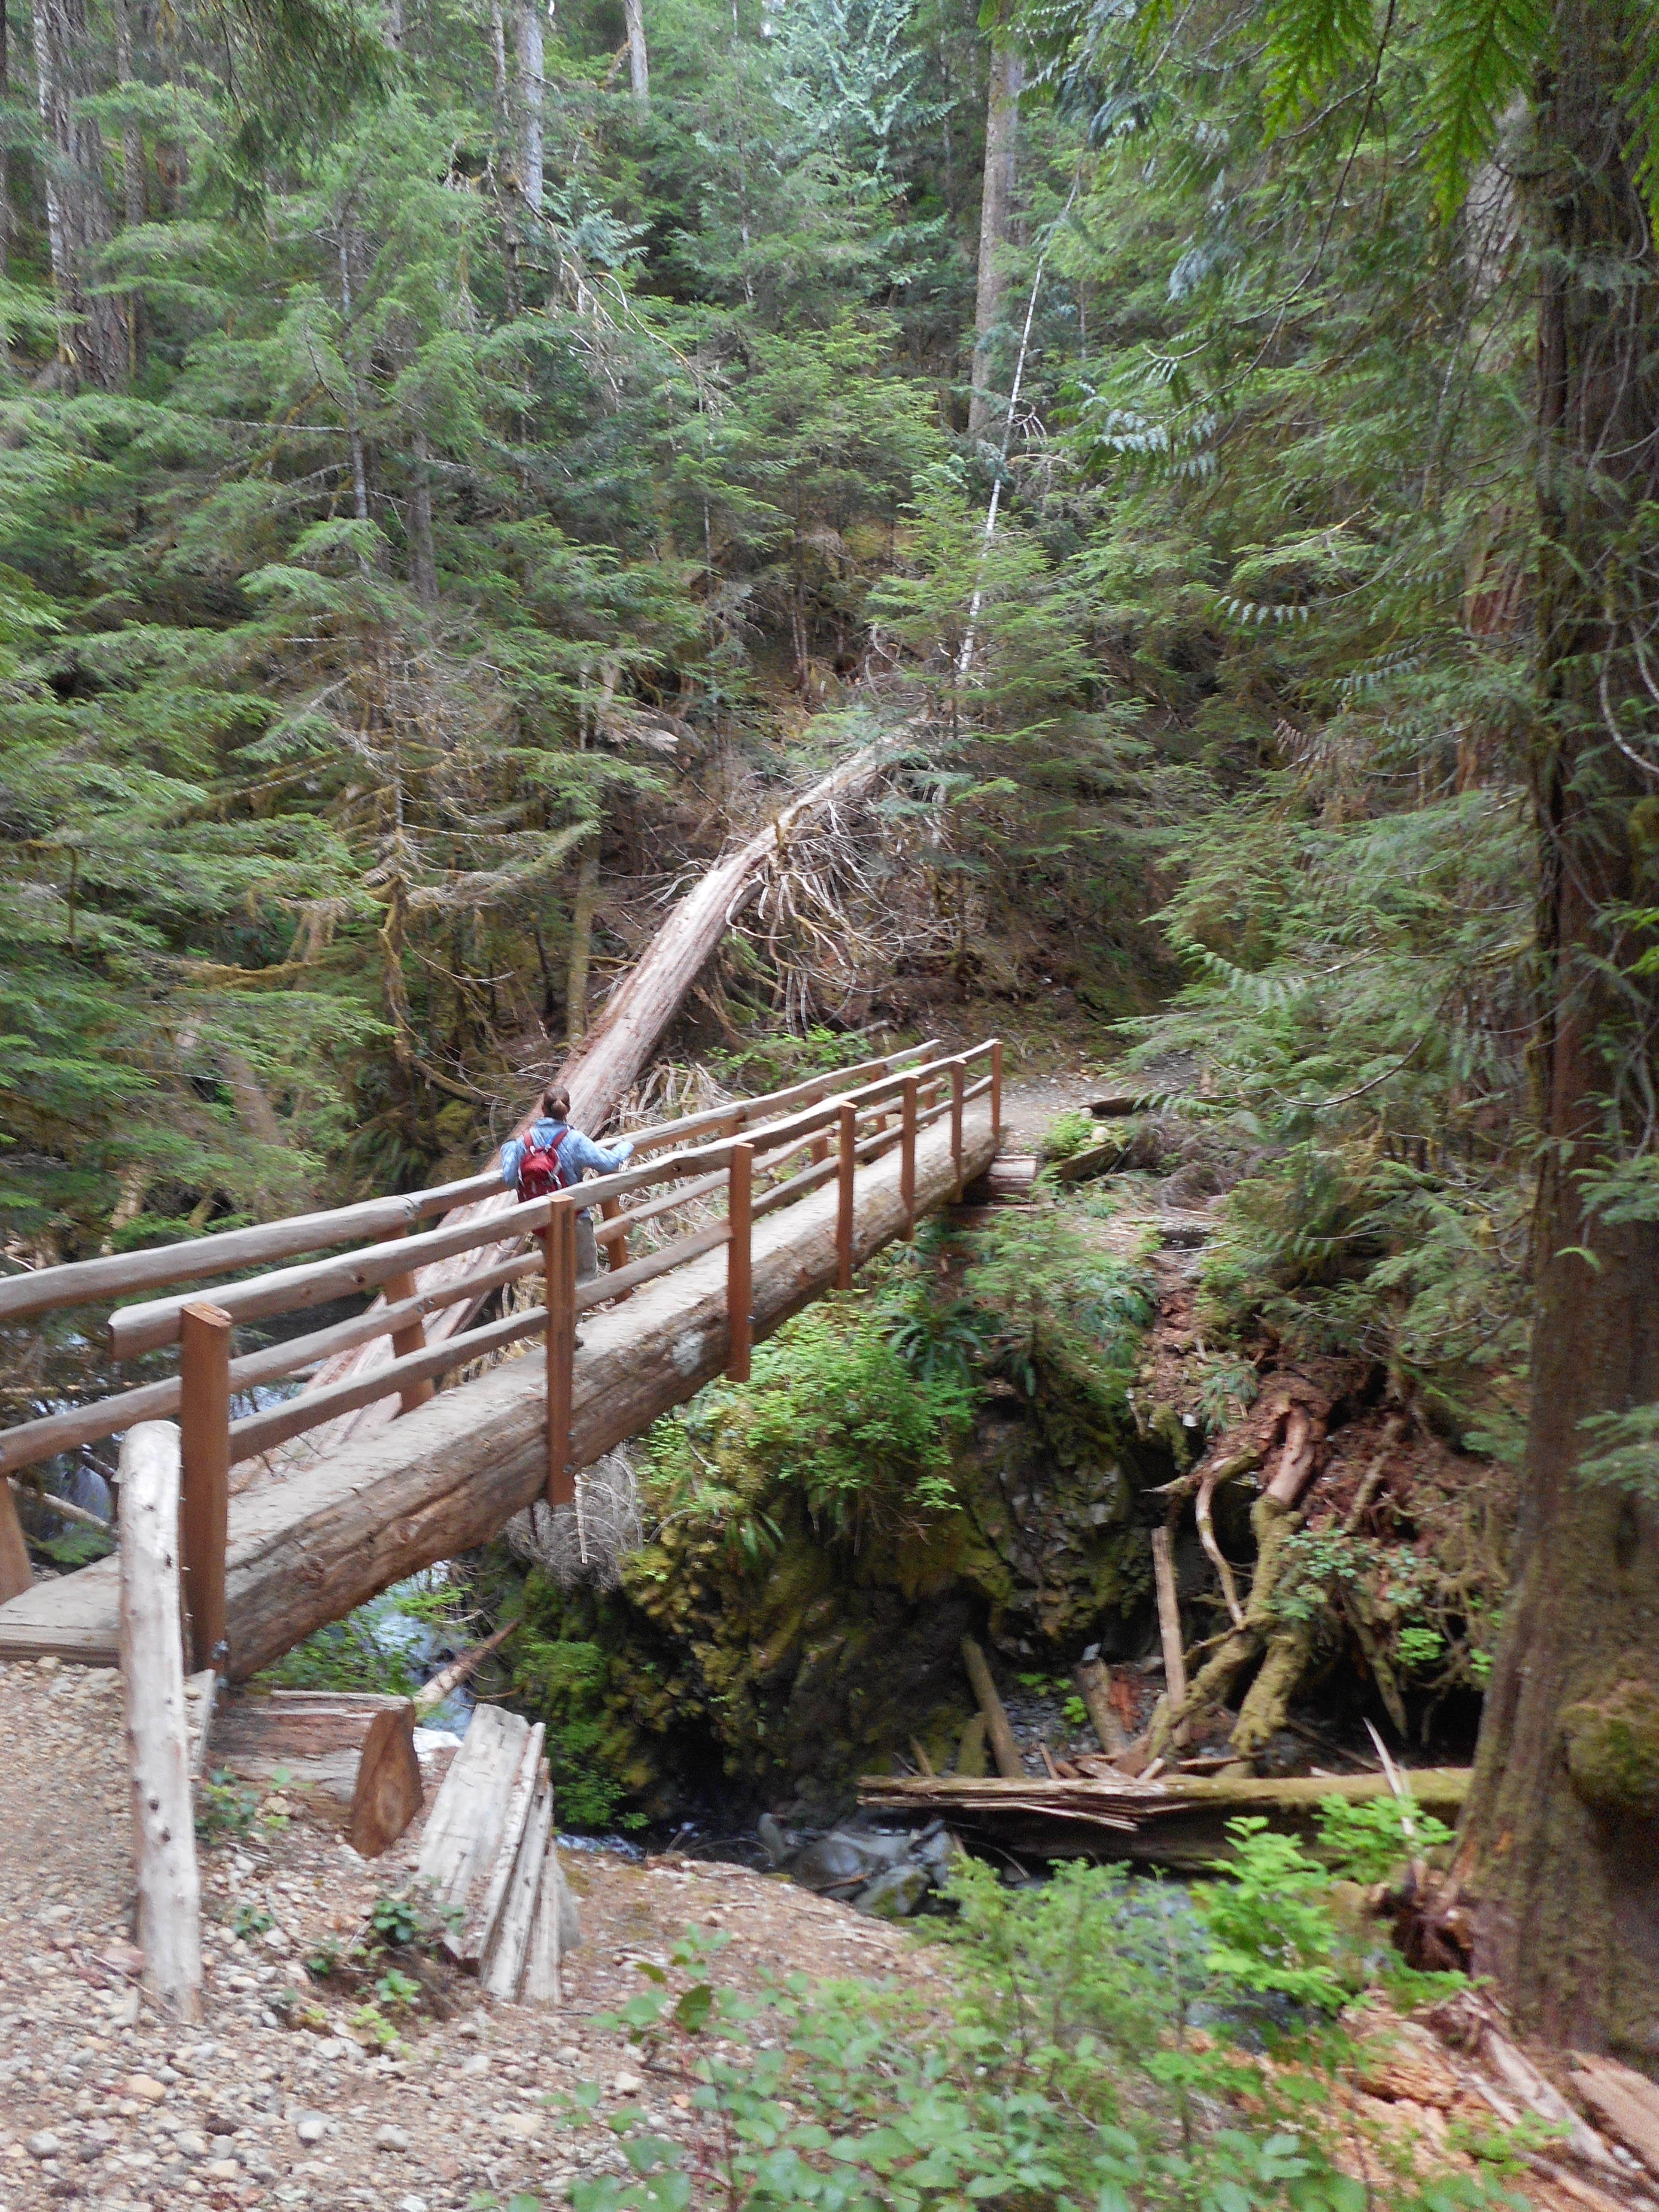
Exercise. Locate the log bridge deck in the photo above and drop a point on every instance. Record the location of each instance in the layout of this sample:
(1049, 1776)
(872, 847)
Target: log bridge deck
(264, 1568)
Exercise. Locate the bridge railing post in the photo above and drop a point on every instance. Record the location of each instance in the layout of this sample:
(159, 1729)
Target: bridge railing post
(616, 1246)
(907, 1156)
(996, 1088)
(739, 1262)
(204, 1334)
(847, 1119)
(958, 1084)
(559, 1266)
(411, 1338)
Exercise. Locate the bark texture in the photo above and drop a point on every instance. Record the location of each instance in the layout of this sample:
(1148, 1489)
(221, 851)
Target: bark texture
(1562, 1837)
(639, 61)
(79, 221)
(995, 217)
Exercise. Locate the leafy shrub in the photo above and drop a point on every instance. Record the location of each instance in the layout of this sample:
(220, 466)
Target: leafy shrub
(1067, 1134)
(1369, 1842)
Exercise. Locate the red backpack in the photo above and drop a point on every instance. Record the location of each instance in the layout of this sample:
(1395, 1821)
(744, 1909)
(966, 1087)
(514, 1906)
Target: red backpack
(540, 1172)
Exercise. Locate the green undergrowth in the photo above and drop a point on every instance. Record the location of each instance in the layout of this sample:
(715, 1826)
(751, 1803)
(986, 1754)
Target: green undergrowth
(375, 1648)
(819, 1539)
(1103, 2042)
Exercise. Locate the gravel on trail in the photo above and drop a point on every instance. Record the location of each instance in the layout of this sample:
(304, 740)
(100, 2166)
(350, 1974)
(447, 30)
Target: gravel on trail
(106, 2103)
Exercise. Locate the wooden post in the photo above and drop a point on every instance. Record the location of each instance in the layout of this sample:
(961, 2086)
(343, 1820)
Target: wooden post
(848, 1118)
(907, 1156)
(610, 1208)
(1000, 1736)
(153, 1693)
(996, 1086)
(1169, 1618)
(739, 1262)
(409, 1338)
(559, 1265)
(958, 1084)
(204, 1334)
(15, 1573)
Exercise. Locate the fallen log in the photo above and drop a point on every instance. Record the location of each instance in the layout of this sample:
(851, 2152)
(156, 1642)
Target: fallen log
(1094, 1685)
(1179, 1820)
(998, 1734)
(348, 1744)
(157, 1724)
(459, 1670)
(612, 1055)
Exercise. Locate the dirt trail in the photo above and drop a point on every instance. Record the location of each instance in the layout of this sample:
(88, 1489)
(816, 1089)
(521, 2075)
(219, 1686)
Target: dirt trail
(104, 2104)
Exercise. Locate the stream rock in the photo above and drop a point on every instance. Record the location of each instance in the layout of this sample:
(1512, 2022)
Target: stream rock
(885, 1872)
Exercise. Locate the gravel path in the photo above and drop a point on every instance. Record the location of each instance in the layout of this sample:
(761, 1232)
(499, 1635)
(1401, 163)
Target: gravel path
(102, 2103)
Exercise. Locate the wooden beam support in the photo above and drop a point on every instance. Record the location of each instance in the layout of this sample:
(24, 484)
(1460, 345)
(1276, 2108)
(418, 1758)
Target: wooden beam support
(616, 1245)
(958, 1084)
(15, 1573)
(158, 1733)
(739, 1263)
(411, 1337)
(846, 1195)
(907, 1157)
(559, 1250)
(996, 1088)
(204, 1437)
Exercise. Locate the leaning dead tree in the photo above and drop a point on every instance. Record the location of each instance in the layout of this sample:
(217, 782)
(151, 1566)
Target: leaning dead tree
(615, 1051)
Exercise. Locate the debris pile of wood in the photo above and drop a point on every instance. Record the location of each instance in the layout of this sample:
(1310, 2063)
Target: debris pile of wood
(490, 1866)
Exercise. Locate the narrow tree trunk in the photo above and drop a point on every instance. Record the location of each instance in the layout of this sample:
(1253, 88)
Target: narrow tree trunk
(1560, 1833)
(422, 548)
(531, 68)
(5, 168)
(582, 942)
(132, 176)
(639, 61)
(78, 219)
(996, 213)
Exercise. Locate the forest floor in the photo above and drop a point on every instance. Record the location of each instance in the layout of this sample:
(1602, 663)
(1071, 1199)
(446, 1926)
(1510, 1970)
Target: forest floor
(106, 2103)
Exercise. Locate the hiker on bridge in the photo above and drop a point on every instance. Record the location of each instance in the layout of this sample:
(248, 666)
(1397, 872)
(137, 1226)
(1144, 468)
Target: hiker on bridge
(552, 1156)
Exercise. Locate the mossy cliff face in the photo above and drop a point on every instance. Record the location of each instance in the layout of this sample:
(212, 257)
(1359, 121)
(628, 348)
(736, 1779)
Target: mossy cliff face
(788, 1626)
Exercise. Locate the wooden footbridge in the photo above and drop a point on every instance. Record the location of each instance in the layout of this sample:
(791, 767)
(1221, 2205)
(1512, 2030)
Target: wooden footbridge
(765, 1204)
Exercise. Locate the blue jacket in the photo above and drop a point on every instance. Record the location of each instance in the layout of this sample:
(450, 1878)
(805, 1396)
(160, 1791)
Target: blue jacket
(577, 1153)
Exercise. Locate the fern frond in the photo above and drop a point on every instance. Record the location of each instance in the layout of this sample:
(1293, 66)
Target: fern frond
(1481, 53)
(1313, 41)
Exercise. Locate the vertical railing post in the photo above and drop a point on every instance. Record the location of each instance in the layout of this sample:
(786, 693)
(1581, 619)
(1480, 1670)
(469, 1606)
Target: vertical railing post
(958, 1084)
(617, 1246)
(907, 1156)
(411, 1338)
(559, 1270)
(848, 1119)
(739, 1262)
(204, 1334)
(996, 1088)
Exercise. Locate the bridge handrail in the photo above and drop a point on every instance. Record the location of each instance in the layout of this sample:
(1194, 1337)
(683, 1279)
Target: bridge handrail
(198, 1259)
(143, 1328)
(211, 1442)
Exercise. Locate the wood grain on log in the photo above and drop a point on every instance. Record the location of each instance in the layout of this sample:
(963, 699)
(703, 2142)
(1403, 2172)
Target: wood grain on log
(157, 1726)
(998, 1733)
(388, 1792)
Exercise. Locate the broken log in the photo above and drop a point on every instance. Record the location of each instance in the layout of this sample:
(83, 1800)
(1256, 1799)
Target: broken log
(1624, 2100)
(1169, 1618)
(614, 1052)
(1094, 1685)
(459, 1670)
(345, 1743)
(1178, 1821)
(157, 1724)
(16, 1574)
(998, 1733)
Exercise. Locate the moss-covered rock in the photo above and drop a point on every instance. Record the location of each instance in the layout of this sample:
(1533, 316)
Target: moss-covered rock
(1613, 1749)
(822, 1539)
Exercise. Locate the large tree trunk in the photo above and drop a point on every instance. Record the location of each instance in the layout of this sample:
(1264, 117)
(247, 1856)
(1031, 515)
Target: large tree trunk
(995, 217)
(532, 64)
(78, 219)
(639, 61)
(132, 174)
(1562, 1837)
(600, 1073)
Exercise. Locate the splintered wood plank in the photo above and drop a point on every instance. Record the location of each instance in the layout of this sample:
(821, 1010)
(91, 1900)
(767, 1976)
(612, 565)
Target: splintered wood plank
(504, 1969)
(546, 1946)
(466, 1822)
(489, 1894)
(199, 1694)
(388, 1793)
